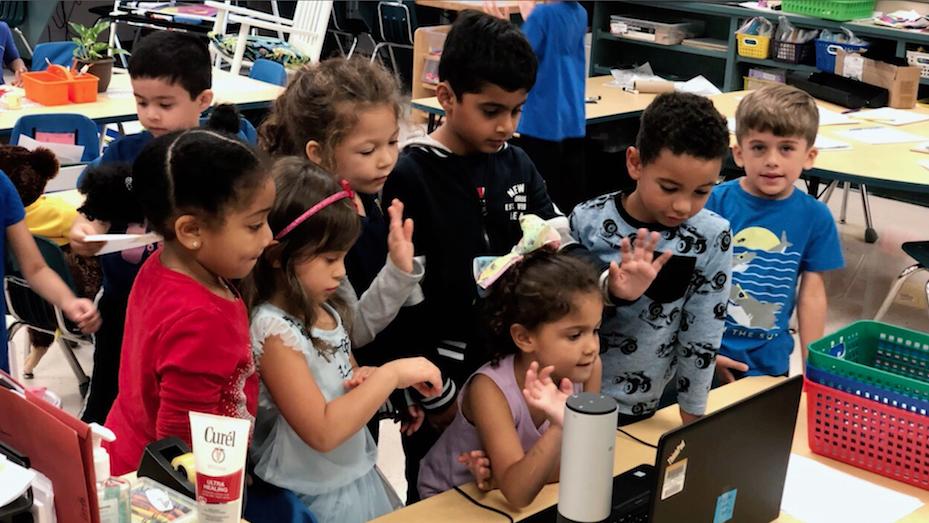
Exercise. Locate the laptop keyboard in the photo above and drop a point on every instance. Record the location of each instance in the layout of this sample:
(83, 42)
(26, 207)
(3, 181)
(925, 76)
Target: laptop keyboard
(640, 516)
(632, 493)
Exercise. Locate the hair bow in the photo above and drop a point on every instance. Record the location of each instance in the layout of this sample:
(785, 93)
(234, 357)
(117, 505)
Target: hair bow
(537, 234)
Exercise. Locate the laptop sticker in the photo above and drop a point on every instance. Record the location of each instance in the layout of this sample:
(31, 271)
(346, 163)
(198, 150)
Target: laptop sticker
(725, 506)
(674, 479)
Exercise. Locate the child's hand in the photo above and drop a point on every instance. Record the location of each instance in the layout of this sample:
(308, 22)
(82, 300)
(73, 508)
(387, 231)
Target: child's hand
(419, 373)
(639, 267)
(541, 393)
(84, 313)
(725, 366)
(79, 231)
(359, 375)
(417, 416)
(400, 237)
(479, 465)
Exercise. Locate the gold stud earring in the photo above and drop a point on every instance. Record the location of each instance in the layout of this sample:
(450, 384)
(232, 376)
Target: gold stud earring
(195, 245)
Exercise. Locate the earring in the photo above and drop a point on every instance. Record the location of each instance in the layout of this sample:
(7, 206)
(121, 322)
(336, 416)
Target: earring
(195, 245)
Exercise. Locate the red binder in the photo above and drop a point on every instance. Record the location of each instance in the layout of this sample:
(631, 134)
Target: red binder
(58, 445)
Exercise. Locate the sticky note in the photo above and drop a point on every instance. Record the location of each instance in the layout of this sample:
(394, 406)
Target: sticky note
(725, 506)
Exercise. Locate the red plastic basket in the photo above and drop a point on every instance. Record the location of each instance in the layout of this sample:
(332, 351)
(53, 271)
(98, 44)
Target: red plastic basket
(866, 434)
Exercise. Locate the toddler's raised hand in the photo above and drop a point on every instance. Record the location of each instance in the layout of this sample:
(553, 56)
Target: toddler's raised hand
(541, 393)
(400, 237)
(639, 267)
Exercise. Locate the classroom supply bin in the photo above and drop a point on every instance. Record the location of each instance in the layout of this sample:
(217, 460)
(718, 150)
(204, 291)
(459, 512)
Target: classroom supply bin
(919, 59)
(827, 49)
(666, 31)
(58, 86)
(753, 46)
(867, 434)
(839, 10)
(750, 83)
(793, 52)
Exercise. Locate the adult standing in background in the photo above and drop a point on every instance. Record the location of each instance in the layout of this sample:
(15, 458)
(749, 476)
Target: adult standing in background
(11, 55)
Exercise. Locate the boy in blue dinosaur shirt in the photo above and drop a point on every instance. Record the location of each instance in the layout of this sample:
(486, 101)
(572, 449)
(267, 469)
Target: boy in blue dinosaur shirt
(781, 235)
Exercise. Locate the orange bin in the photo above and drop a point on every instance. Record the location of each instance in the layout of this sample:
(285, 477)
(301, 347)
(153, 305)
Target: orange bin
(58, 86)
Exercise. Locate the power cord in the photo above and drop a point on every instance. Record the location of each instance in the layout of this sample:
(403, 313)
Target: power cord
(643, 442)
(483, 506)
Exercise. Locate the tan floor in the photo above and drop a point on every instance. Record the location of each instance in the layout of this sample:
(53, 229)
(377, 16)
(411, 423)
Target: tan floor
(855, 292)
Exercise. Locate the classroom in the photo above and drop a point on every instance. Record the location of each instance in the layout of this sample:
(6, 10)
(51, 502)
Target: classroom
(465, 260)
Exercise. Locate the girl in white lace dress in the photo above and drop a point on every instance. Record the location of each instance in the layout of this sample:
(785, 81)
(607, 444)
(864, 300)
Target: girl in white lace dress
(310, 434)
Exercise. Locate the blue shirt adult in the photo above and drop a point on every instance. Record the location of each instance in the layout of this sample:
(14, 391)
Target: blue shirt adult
(774, 242)
(12, 212)
(554, 109)
(7, 46)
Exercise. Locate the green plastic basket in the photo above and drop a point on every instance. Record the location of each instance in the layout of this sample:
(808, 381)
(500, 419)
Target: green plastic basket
(839, 10)
(879, 354)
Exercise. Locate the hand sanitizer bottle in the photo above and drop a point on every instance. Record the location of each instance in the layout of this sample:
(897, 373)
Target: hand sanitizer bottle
(112, 493)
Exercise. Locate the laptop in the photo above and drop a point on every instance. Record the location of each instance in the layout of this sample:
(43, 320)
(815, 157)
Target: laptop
(728, 466)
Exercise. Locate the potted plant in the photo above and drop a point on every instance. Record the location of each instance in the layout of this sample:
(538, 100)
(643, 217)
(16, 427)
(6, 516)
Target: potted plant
(97, 55)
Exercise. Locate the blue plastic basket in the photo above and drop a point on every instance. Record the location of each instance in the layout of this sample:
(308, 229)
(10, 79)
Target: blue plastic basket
(826, 51)
(867, 391)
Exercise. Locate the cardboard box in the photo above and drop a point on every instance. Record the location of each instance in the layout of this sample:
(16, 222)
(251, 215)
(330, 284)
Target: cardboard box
(902, 82)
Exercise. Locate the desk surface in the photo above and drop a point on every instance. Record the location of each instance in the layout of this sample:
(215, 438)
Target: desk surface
(118, 104)
(614, 103)
(461, 5)
(452, 507)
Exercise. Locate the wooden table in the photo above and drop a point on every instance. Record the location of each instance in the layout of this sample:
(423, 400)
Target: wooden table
(461, 5)
(118, 103)
(452, 507)
(614, 103)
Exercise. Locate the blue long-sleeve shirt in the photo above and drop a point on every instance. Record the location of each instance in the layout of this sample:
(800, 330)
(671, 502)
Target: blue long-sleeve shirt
(7, 46)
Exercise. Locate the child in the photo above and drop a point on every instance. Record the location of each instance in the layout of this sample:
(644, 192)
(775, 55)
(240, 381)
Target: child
(10, 55)
(40, 276)
(535, 325)
(50, 218)
(171, 77)
(186, 346)
(781, 235)
(674, 331)
(310, 436)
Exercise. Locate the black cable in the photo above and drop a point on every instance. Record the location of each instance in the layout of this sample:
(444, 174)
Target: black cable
(647, 444)
(483, 506)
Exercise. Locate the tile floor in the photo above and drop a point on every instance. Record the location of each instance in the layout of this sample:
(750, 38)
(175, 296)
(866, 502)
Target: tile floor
(855, 292)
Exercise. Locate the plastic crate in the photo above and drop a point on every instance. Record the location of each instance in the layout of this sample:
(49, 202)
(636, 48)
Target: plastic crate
(826, 51)
(83, 89)
(874, 353)
(868, 391)
(920, 60)
(793, 52)
(839, 10)
(868, 435)
(45, 88)
(750, 84)
(753, 46)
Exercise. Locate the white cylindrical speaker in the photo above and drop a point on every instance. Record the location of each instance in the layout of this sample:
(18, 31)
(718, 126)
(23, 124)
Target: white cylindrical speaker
(588, 440)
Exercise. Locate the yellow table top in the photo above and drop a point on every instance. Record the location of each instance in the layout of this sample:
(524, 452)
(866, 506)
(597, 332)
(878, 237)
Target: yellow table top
(118, 104)
(614, 103)
(452, 507)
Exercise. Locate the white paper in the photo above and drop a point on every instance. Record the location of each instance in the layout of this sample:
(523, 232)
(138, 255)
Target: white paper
(14, 480)
(65, 153)
(697, 85)
(880, 135)
(921, 147)
(122, 242)
(824, 143)
(827, 117)
(891, 116)
(816, 493)
(924, 163)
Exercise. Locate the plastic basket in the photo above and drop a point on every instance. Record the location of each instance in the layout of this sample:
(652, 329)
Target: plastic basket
(839, 10)
(793, 52)
(826, 51)
(83, 89)
(750, 84)
(868, 435)
(753, 46)
(874, 353)
(868, 391)
(45, 88)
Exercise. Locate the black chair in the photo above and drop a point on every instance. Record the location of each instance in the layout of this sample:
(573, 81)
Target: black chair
(395, 30)
(919, 251)
(345, 28)
(31, 310)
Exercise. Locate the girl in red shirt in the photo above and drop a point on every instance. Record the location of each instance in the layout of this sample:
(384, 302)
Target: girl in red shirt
(186, 343)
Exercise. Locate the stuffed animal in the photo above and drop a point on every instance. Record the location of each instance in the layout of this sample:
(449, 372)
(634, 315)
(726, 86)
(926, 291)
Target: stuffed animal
(29, 170)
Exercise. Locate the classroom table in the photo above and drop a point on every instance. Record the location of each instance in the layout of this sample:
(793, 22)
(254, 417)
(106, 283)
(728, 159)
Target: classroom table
(613, 104)
(451, 507)
(461, 5)
(118, 104)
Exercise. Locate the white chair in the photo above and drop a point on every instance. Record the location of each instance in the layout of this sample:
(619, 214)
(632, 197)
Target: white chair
(306, 31)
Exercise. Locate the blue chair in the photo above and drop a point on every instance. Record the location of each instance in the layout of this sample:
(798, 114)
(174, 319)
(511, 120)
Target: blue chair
(246, 132)
(86, 132)
(268, 71)
(61, 53)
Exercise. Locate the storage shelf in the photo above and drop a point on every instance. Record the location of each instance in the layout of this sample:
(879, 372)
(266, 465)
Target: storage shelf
(604, 35)
(781, 65)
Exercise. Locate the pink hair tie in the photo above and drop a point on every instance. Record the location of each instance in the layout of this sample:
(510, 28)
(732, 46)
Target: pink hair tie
(346, 192)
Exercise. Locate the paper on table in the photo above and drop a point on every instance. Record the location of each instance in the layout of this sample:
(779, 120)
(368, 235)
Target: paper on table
(891, 116)
(827, 117)
(880, 135)
(924, 163)
(824, 143)
(816, 493)
(697, 85)
(65, 153)
(122, 242)
(14, 480)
